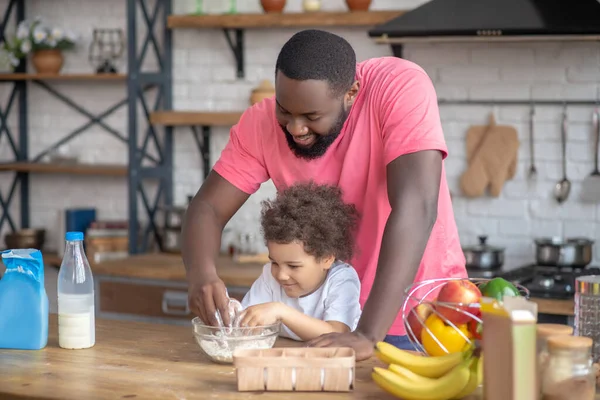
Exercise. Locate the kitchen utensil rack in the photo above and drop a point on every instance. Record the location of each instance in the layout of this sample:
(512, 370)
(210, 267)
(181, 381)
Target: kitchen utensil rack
(295, 369)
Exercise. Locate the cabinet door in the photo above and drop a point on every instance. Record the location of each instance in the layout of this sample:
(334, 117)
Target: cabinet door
(154, 299)
(147, 300)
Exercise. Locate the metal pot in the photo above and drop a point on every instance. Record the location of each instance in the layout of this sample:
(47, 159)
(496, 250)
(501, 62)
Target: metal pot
(483, 256)
(570, 252)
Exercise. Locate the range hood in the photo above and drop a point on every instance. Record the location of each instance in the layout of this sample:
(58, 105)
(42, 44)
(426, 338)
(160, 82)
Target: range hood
(511, 20)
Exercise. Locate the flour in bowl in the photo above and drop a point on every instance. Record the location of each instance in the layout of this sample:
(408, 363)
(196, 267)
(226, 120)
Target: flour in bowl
(220, 347)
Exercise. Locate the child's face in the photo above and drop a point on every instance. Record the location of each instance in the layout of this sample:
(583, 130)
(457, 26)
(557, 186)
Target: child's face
(297, 272)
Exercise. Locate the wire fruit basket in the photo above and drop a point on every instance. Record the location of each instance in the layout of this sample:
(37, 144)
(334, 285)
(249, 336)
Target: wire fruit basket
(437, 327)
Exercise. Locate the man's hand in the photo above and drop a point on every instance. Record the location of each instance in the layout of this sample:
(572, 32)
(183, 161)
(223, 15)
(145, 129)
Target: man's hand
(205, 296)
(362, 346)
(262, 314)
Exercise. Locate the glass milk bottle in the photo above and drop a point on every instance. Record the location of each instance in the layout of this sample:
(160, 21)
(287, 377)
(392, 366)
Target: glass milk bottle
(76, 320)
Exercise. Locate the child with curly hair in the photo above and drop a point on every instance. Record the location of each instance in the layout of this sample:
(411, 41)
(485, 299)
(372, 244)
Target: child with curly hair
(308, 286)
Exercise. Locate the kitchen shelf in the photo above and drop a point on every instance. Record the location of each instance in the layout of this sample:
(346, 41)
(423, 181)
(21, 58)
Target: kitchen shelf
(283, 20)
(194, 119)
(198, 118)
(64, 168)
(233, 25)
(146, 73)
(62, 77)
(486, 38)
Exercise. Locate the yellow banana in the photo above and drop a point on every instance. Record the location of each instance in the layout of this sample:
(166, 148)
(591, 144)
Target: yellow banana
(383, 357)
(410, 375)
(475, 379)
(444, 388)
(431, 367)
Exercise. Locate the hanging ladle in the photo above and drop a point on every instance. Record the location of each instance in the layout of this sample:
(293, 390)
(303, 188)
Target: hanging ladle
(532, 169)
(563, 187)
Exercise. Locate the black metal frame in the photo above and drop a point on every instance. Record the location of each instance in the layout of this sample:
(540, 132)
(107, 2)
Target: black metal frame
(20, 151)
(162, 170)
(138, 84)
(237, 48)
(203, 147)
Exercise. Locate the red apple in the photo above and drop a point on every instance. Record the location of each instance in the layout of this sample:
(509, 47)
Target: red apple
(475, 327)
(454, 292)
(422, 311)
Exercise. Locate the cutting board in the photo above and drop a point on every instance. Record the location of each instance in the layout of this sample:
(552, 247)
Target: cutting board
(492, 152)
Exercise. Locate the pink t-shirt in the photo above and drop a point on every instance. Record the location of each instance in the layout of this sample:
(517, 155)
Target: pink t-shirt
(395, 113)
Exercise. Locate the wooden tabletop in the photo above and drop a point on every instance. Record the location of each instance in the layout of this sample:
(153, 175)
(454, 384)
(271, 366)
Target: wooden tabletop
(163, 266)
(133, 360)
(140, 361)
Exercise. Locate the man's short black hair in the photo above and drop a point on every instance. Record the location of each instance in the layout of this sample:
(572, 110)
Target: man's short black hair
(318, 55)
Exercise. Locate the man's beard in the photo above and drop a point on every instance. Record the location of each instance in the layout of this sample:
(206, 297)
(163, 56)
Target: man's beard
(322, 142)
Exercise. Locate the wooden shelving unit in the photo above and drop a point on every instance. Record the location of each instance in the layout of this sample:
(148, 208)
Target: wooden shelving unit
(65, 168)
(198, 118)
(62, 77)
(136, 82)
(283, 20)
(233, 25)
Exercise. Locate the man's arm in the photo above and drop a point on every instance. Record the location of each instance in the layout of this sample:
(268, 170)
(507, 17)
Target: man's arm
(211, 208)
(413, 184)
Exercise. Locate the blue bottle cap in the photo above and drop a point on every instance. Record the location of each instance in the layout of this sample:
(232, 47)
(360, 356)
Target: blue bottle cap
(71, 236)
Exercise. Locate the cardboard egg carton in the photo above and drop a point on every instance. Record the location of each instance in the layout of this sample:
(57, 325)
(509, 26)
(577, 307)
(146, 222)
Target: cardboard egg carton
(295, 369)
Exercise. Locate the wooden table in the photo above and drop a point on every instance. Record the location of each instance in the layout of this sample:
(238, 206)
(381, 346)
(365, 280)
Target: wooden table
(134, 360)
(141, 361)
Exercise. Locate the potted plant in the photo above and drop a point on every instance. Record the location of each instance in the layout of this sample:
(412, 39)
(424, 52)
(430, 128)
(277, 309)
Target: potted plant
(44, 43)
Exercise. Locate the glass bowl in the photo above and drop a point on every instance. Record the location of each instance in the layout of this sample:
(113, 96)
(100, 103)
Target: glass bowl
(219, 343)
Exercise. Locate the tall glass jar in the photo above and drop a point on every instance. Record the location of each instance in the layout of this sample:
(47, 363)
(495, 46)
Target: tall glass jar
(587, 307)
(569, 374)
(544, 331)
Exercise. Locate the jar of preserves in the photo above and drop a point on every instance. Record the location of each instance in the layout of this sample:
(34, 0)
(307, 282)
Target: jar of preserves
(569, 373)
(544, 331)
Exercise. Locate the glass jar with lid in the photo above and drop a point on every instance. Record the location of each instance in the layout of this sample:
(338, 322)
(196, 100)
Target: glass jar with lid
(569, 373)
(544, 331)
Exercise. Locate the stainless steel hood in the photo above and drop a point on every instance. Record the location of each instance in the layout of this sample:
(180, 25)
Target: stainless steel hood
(485, 20)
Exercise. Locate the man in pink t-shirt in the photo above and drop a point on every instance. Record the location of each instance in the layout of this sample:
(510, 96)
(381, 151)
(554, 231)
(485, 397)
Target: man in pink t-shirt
(373, 129)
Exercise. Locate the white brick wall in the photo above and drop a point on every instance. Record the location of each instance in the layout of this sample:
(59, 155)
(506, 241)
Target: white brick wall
(204, 79)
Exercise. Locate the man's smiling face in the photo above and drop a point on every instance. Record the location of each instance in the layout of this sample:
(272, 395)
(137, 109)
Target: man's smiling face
(309, 114)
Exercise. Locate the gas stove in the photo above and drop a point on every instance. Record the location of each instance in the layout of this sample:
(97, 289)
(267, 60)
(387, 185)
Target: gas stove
(548, 282)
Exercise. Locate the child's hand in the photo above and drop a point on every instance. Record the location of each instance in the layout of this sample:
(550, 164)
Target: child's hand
(262, 314)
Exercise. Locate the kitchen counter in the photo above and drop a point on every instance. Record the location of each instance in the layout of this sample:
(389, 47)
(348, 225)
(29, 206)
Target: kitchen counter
(141, 361)
(163, 266)
(169, 267)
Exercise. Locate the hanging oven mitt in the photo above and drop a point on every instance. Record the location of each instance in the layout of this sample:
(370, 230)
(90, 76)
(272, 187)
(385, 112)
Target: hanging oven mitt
(491, 161)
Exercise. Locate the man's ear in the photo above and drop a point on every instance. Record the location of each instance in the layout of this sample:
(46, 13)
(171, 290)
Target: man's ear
(352, 93)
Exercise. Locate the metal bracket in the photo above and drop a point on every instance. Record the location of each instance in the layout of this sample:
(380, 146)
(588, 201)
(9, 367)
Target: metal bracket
(203, 147)
(237, 47)
(397, 50)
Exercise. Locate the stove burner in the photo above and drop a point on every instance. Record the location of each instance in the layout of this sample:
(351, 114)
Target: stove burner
(548, 282)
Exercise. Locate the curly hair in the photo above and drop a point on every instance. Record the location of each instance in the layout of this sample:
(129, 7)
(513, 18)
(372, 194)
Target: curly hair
(314, 215)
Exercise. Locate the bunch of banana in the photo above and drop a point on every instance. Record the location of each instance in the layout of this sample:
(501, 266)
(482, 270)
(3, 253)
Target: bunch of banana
(414, 377)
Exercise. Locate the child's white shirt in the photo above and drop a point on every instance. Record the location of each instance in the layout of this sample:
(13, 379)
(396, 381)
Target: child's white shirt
(336, 300)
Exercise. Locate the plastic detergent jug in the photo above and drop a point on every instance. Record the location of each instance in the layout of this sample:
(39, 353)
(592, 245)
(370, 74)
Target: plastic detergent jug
(23, 301)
